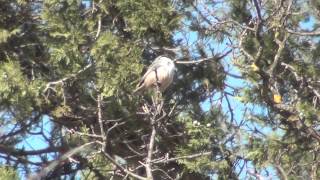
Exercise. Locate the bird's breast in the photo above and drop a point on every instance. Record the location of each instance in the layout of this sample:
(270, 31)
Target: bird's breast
(163, 75)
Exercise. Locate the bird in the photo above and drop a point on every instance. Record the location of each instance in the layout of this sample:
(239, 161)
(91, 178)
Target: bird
(158, 76)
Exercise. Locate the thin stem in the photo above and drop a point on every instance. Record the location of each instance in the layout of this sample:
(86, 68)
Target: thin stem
(103, 134)
(150, 151)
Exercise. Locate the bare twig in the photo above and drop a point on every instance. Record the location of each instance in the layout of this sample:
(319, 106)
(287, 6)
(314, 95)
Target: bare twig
(192, 156)
(276, 60)
(154, 111)
(50, 85)
(112, 127)
(103, 133)
(257, 9)
(304, 33)
(72, 131)
(298, 78)
(122, 168)
(204, 59)
(150, 151)
(257, 175)
(229, 107)
(166, 49)
(247, 54)
(165, 173)
(99, 28)
(55, 163)
(281, 171)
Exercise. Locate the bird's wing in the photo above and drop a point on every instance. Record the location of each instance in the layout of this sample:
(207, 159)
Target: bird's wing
(155, 65)
(140, 85)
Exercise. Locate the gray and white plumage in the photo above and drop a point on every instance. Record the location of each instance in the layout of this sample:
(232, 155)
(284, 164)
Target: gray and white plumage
(160, 73)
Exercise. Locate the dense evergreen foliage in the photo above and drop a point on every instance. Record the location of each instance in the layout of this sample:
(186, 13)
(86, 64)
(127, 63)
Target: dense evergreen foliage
(245, 101)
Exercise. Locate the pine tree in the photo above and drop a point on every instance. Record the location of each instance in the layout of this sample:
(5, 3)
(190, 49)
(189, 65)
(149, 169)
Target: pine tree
(76, 64)
(276, 57)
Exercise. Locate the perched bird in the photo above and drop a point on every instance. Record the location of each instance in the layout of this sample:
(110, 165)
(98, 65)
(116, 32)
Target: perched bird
(159, 74)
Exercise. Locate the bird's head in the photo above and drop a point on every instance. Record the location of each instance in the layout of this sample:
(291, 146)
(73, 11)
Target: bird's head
(166, 62)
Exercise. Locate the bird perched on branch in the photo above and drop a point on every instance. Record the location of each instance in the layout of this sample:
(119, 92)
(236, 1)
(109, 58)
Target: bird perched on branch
(159, 75)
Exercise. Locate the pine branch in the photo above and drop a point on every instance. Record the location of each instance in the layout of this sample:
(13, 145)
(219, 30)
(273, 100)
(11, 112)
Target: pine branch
(150, 151)
(55, 163)
(50, 85)
(298, 78)
(204, 59)
(276, 59)
(192, 156)
(256, 5)
(100, 121)
(122, 168)
(304, 33)
(99, 28)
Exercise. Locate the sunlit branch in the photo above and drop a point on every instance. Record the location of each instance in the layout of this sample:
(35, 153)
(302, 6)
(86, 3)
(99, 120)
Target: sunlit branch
(213, 58)
(304, 33)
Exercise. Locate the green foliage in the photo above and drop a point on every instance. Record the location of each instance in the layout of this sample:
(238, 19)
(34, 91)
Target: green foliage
(239, 10)
(67, 31)
(117, 65)
(309, 113)
(5, 34)
(16, 91)
(8, 173)
(145, 17)
(204, 134)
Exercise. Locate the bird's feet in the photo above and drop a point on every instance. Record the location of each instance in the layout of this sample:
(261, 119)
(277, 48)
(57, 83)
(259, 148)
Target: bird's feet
(158, 84)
